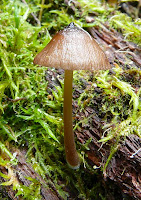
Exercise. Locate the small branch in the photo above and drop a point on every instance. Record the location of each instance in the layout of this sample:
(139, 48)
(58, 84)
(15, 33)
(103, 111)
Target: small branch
(33, 15)
(15, 100)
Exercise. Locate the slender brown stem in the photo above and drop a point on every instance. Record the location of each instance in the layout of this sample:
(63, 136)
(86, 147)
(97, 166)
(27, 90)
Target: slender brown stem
(70, 148)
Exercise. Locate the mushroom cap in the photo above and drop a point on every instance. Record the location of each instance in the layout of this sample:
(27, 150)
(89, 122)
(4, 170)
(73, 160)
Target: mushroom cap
(73, 49)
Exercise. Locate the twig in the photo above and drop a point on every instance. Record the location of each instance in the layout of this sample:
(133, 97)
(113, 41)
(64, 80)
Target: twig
(33, 15)
(15, 100)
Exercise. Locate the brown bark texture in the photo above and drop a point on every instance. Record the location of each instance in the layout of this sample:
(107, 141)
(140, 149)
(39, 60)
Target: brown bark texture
(23, 170)
(124, 168)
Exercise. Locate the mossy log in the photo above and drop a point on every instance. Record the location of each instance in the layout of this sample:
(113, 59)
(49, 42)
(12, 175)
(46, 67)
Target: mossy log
(20, 174)
(124, 169)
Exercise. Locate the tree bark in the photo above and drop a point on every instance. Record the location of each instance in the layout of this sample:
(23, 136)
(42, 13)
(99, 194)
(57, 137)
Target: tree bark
(23, 170)
(124, 169)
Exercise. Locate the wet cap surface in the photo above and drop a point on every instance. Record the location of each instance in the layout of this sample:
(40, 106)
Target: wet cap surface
(73, 49)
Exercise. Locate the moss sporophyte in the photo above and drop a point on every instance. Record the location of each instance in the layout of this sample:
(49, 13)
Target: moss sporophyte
(72, 49)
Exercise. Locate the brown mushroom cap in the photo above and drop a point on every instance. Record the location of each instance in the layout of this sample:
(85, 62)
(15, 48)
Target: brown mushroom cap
(73, 49)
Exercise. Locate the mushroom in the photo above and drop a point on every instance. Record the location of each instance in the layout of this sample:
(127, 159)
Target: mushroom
(72, 49)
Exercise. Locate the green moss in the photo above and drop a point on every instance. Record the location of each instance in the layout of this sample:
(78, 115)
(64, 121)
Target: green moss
(31, 108)
(131, 29)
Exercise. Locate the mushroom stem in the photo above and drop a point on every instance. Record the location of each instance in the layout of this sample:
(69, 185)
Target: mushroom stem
(70, 148)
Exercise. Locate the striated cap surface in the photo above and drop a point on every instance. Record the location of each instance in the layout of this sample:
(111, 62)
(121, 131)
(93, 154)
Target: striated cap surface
(73, 49)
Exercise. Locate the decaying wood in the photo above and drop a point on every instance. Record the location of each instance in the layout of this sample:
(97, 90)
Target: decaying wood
(23, 170)
(116, 47)
(124, 169)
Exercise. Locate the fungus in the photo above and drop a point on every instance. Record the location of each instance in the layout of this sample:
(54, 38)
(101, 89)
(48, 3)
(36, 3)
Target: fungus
(72, 49)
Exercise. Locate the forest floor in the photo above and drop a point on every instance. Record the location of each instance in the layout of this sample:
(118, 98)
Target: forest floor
(106, 105)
